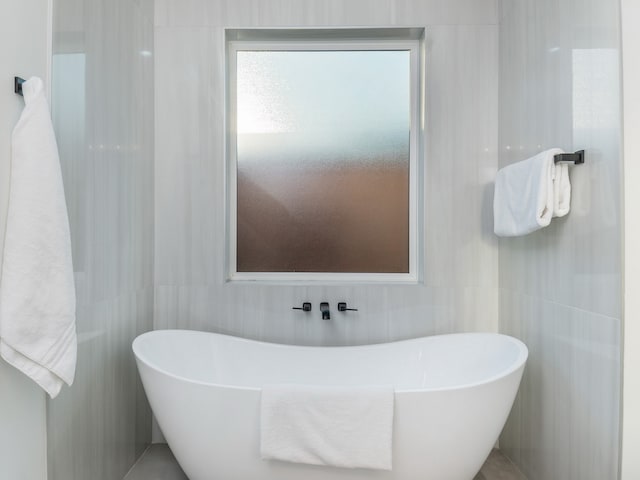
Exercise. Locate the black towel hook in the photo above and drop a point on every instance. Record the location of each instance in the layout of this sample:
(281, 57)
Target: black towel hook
(17, 85)
(576, 158)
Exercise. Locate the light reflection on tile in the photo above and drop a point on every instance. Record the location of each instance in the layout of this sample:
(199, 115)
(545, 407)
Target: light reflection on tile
(561, 287)
(103, 114)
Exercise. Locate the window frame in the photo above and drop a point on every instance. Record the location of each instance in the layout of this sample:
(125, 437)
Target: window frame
(319, 42)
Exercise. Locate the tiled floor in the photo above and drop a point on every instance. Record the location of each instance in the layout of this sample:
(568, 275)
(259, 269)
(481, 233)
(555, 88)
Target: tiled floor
(499, 467)
(158, 463)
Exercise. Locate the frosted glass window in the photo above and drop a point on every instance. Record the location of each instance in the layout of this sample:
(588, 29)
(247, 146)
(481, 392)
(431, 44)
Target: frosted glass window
(322, 159)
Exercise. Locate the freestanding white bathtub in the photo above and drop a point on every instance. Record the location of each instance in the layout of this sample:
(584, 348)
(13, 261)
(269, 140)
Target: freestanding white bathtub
(453, 395)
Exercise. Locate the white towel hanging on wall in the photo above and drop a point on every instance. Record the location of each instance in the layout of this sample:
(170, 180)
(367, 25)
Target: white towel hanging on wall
(528, 194)
(37, 294)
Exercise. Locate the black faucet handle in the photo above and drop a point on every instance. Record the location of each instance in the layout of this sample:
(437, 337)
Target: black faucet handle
(306, 307)
(342, 307)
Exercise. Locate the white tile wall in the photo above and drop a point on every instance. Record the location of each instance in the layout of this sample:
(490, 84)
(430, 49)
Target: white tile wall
(292, 13)
(630, 461)
(565, 420)
(461, 280)
(23, 449)
(103, 114)
(560, 287)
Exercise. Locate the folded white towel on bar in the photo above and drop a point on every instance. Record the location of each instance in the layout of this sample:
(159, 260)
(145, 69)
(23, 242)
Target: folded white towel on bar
(348, 427)
(37, 294)
(529, 193)
(561, 191)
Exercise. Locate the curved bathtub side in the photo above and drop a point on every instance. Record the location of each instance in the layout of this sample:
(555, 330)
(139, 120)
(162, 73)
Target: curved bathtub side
(214, 431)
(208, 428)
(449, 434)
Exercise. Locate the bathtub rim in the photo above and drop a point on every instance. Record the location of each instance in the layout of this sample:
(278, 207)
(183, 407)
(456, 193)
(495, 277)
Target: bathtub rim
(523, 354)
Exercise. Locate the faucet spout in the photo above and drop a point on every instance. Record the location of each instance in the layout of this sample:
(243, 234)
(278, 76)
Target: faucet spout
(324, 308)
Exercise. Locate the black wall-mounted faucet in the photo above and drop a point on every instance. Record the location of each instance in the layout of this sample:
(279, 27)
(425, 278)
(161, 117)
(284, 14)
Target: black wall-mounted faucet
(306, 307)
(324, 308)
(342, 307)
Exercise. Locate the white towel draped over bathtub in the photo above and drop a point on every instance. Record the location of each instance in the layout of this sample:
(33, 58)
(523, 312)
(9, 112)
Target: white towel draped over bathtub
(528, 194)
(37, 294)
(347, 427)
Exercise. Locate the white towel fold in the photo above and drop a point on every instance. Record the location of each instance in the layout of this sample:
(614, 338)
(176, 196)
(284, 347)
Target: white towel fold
(338, 426)
(37, 294)
(529, 193)
(561, 191)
